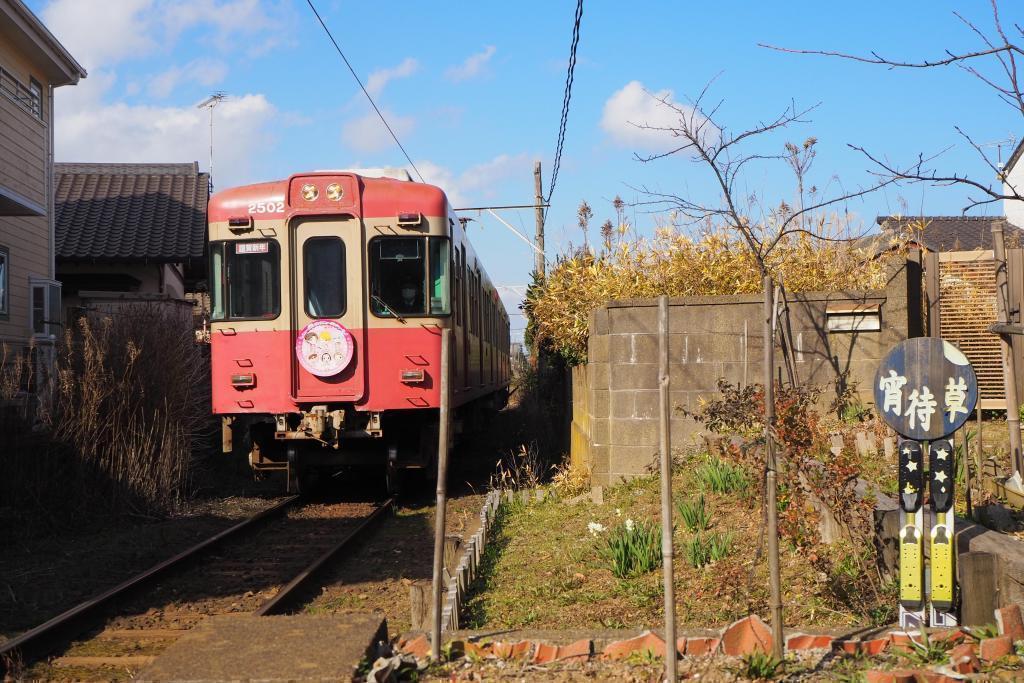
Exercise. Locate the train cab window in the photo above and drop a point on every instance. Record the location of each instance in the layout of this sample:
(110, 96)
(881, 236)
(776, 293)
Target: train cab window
(409, 276)
(323, 260)
(246, 280)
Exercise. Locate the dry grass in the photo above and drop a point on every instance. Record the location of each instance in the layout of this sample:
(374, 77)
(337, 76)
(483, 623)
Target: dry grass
(714, 262)
(117, 432)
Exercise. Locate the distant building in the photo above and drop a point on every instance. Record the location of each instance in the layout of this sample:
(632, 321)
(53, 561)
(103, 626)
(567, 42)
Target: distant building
(32, 64)
(951, 233)
(1014, 176)
(130, 233)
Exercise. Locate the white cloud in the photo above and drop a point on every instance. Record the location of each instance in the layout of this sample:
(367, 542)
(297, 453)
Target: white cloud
(472, 67)
(120, 132)
(381, 77)
(481, 182)
(202, 71)
(368, 134)
(628, 111)
(102, 32)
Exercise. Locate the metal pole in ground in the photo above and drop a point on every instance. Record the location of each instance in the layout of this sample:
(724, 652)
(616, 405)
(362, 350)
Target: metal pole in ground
(770, 467)
(1009, 373)
(665, 448)
(442, 492)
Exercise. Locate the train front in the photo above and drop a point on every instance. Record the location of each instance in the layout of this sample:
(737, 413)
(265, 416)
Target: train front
(328, 295)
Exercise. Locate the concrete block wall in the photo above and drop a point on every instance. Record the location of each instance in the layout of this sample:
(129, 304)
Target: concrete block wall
(615, 396)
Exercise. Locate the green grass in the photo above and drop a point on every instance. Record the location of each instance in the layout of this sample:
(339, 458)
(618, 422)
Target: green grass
(702, 550)
(694, 513)
(633, 548)
(760, 666)
(718, 476)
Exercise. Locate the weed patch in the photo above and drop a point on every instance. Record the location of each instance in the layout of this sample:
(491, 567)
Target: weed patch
(633, 548)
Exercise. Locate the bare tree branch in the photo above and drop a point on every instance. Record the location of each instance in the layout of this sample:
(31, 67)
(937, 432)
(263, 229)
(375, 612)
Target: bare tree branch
(1001, 52)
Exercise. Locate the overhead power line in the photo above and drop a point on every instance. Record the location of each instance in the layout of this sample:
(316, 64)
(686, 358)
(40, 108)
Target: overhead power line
(566, 98)
(363, 88)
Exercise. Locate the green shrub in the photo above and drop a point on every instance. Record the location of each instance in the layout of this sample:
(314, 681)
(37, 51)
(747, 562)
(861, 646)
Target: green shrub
(718, 476)
(633, 548)
(694, 513)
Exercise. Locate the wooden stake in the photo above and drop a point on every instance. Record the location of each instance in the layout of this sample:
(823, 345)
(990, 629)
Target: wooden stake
(442, 492)
(665, 448)
(1009, 373)
(770, 468)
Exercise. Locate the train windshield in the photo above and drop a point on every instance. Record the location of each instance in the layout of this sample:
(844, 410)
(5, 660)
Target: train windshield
(409, 276)
(245, 279)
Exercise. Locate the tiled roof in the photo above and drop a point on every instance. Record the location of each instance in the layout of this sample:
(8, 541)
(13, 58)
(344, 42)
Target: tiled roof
(130, 212)
(953, 233)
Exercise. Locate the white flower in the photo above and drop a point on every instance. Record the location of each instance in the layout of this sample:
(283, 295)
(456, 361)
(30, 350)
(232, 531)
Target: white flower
(629, 525)
(595, 528)
(618, 512)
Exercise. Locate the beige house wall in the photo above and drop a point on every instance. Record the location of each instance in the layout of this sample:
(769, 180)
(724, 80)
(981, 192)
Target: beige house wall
(24, 169)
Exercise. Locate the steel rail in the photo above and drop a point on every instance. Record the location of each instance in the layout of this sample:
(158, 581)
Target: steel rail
(37, 639)
(276, 604)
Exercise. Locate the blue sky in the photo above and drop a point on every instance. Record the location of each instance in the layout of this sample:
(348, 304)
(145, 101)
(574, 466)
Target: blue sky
(475, 91)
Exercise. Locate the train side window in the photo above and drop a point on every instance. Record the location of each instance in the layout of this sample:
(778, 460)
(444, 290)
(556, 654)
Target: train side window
(323, 260)
(217, 281)
(440, 277)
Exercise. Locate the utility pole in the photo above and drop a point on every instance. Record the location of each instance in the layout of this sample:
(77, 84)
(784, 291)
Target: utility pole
(538, 189)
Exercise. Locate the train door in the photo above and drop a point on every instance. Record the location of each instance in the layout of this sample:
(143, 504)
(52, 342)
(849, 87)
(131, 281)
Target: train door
(329, 359)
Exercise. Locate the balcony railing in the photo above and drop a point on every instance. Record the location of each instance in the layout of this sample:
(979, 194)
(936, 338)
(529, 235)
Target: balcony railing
(22, 95)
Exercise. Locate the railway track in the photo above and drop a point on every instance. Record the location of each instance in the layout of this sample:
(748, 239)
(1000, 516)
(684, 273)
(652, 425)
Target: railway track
(237, 571)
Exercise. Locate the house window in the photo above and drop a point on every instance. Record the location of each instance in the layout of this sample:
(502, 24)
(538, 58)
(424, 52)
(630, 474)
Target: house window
(29, 98)
(5, 269)
(45, 307)
(36, 97)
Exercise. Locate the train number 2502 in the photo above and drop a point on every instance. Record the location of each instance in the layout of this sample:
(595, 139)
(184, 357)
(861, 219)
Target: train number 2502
(266, 207)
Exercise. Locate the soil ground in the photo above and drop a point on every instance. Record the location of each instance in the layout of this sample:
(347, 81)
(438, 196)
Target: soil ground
(547, 568)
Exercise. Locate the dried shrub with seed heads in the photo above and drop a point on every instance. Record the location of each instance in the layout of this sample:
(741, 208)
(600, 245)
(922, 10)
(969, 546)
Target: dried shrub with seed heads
(714, 262)
(127, 411)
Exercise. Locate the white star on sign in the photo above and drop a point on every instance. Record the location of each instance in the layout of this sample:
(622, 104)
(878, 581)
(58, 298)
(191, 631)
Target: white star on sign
(911, 466)
(906, 450)
(940, 476)
(941, 453)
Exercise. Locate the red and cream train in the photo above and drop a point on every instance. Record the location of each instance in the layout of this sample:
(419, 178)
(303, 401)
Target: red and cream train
(329, 291)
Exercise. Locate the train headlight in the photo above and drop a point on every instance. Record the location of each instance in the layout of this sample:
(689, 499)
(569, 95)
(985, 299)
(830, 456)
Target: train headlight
(309, 192)
(335, 192)
(413, 376)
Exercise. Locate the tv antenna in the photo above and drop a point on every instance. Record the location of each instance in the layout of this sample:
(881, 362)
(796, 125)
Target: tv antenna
(211, 103)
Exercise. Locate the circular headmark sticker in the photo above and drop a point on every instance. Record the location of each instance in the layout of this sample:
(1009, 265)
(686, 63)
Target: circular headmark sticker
(925, 388)
(324, 348)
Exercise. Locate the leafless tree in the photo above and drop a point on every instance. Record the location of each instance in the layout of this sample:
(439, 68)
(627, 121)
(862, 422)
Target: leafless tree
(727, 155)
(994, 63)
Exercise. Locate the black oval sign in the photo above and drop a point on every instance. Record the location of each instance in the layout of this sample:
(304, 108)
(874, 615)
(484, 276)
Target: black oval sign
(925, 388)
